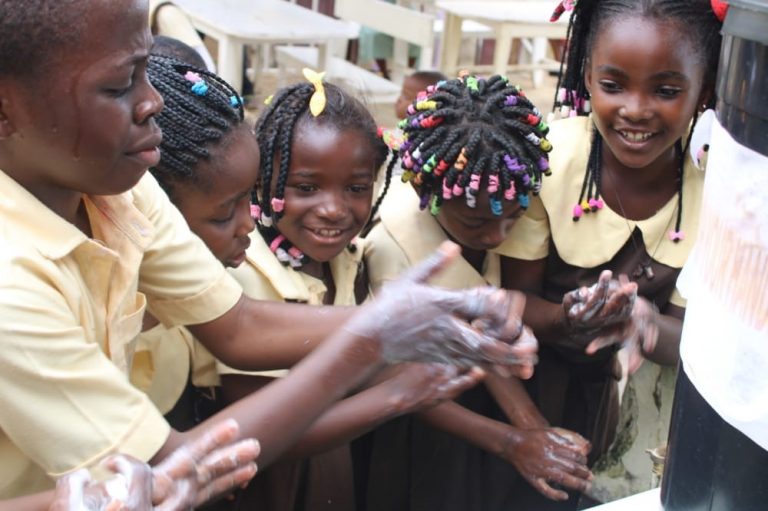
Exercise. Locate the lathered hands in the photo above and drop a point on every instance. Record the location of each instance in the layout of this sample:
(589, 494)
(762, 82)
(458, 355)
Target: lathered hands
(416, 322)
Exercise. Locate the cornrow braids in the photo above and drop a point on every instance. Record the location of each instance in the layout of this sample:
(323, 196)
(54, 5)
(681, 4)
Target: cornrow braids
(275, 132)
(588, 17)
(200, 109)
(470, 132)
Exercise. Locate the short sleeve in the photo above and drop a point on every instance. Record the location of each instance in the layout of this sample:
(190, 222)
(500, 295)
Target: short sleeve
(58, 387)
(385, 260)
(184, 283)
(529, 237)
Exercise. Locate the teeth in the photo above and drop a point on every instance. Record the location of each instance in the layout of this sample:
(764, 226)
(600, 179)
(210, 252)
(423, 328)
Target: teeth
(636, 137)
(328, 233)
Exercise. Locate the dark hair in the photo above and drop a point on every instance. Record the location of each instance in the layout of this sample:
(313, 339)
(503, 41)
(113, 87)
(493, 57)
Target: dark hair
(200, 109)
(469, 132)
(697, 23)
(36, 32)
(428, 77)
(170, 47)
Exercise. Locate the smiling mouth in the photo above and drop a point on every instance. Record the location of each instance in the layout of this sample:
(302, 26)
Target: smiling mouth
(635, 137)
(327, 233)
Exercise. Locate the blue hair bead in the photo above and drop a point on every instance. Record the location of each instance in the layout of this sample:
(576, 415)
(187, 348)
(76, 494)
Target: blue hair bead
(200, 88)
(524, 200)
(496, 208)
(235, 101)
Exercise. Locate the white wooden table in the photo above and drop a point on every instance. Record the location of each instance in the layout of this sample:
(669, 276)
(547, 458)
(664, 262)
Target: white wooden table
(508, 19)
(239, 23)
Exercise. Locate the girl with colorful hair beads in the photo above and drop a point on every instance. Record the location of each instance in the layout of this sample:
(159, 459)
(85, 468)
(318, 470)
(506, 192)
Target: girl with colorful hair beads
(90, 242)
(474, 154)
(624, 197)
(209, 168)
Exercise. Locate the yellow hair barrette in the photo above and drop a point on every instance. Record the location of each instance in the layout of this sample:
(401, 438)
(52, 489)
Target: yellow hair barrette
(317, 101)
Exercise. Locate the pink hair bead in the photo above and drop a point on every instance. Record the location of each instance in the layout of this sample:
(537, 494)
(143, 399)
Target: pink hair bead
(676, 236)
(447, 194)
(192, 76)
(509, 193)
(578, 211)
(255, 211)
(295, 253)
(276, 242)
(493, 184)
(278, 205)
(458, 191)
(474, 182)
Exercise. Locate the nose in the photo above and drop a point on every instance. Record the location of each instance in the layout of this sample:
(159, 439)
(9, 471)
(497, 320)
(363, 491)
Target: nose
(245, 222)
(332, 207)
(636, 108)
(149, 104)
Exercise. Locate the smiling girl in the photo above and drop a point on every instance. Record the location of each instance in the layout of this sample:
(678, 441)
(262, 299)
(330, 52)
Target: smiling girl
(624, 196)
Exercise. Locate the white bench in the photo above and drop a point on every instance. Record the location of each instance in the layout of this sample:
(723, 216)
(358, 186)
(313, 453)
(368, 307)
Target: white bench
(403, 24)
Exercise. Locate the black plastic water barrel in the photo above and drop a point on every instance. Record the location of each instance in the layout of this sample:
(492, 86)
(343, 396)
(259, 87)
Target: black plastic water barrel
(710, 465)
(742, 84)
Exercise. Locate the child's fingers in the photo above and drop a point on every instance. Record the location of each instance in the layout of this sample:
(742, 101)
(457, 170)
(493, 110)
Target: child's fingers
(543, 487)
(435, 263)
(185, 458)
(458, 384)
(227, 459)
(226, 482)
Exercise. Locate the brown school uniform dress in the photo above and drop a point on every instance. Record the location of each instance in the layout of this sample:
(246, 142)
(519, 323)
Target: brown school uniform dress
(412, 466)
(323, 481)
(572, 389)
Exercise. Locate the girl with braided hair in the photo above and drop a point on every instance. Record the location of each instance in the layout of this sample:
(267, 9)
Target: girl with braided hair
(209, 168)
(624, 197)
(473, 153)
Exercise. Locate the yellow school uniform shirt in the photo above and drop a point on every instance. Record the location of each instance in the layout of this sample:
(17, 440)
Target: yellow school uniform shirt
(263, 277)
(597, 237)
(406, 235)
(165, 359)
(70, 310)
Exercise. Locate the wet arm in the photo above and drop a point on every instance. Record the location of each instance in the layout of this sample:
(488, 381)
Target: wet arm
(515, 402)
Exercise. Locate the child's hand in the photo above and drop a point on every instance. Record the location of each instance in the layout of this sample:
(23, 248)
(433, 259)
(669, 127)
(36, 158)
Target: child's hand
(416, 322)
(204, 468)
(606, 303)
(638, 335)
(549, 455)
(129, 490)
(414, 386)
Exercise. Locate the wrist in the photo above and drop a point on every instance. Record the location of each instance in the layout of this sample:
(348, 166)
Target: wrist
(508, 442)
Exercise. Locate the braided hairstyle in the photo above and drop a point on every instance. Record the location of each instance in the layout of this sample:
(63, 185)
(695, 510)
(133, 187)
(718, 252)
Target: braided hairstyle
(275, 131)
(200, 109)
(467, 132)
(697, 22)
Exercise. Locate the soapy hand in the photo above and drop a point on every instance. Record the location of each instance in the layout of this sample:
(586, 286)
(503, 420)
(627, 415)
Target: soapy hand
(549, 455)
(193, 474)
(606, 303)
(417, 322)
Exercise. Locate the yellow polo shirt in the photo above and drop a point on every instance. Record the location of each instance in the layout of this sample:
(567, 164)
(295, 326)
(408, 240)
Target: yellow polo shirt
(70, 310)
(406, 235)
(263, 277)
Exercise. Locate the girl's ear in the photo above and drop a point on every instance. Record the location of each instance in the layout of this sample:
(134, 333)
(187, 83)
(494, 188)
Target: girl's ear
(6, 125)
(588, 76)
(705, 98)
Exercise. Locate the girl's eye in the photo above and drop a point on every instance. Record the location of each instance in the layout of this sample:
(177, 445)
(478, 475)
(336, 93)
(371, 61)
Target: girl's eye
(610, 86)
(668, 92)
(359, 188)
(306, 188)
(118, 91)
(223, 221)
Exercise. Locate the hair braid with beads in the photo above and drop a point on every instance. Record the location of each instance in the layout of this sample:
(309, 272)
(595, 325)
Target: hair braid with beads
(275, 133)
(698, 24)
(200, 109)
(471, 132)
